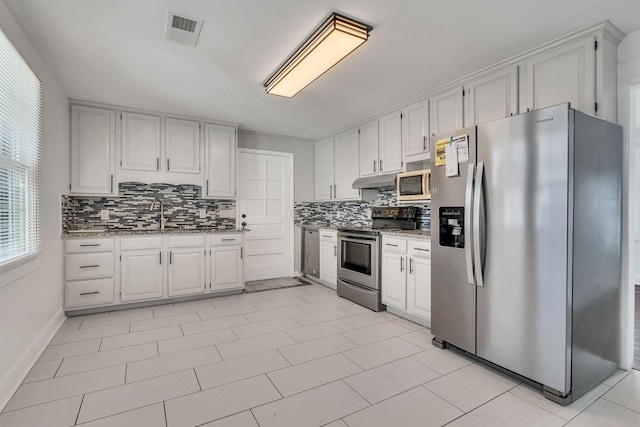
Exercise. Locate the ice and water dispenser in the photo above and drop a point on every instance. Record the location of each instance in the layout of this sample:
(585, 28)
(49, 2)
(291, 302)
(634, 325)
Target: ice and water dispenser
(452, 227)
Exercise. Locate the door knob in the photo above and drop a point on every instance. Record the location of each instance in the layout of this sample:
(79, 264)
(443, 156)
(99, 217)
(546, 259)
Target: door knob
(243, 215)
(244, 224)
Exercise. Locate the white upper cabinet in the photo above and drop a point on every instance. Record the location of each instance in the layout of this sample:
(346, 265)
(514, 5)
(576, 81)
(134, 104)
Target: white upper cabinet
(415, 130)
(324, 169)
(346, 167)
(390, 143)
(369, 149)
(220, 166)
(93, 140)
(182, 146)
(140, 142)
(564, 74)
(492, 96)
(446, 111)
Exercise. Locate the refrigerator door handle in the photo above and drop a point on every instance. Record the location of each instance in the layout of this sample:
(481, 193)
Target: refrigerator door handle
(477, 254)
(468, 249)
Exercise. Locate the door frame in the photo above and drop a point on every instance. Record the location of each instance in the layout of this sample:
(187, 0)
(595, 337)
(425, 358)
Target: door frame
(290, 158)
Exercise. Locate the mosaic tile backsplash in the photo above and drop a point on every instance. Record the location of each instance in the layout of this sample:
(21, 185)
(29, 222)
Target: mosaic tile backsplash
(130, 209)
(353, 213)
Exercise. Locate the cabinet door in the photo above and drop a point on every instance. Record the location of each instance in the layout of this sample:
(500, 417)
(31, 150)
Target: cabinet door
(220, 167)
(93, 141)
(390, 143)
(328, 263)
(369, 149)
(186, 271)
(445, 112)
(182, 146)
(346, 168)
(419, 287)
(226, 268)
(492, 97)
(394, 280)
(415, 129)
(140, 142)
(565, 74)
(141, 275)
(324, 170)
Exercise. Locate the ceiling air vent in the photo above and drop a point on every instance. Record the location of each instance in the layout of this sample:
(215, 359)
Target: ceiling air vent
(182, 29)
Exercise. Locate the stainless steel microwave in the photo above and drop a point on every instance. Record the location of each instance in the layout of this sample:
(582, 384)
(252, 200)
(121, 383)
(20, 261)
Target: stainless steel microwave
(414, 185)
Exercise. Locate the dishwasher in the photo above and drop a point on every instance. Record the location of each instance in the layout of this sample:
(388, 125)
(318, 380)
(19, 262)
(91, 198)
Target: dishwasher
(311, 253)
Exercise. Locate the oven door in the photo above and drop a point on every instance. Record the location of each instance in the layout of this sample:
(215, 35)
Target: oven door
(358, 259)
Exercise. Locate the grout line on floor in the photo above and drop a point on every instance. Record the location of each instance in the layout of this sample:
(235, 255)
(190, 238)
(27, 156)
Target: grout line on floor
(79, 409)
(164, 408)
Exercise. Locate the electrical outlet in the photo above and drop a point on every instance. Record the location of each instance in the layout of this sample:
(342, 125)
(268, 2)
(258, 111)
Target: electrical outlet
(203, 213)
(104, 214)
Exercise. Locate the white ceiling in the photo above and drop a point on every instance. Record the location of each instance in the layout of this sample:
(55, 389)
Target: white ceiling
(113, 51)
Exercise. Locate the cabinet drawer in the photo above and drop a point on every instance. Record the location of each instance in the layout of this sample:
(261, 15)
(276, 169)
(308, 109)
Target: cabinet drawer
(89, 245)
(89, 266)
(392, 244)
(186, 241)
(89, 292)
(420, 248)
(132, 243)
(328, 236)
(226, 239)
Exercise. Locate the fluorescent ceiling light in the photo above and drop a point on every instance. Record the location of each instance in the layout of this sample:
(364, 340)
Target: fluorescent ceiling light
(334, 39)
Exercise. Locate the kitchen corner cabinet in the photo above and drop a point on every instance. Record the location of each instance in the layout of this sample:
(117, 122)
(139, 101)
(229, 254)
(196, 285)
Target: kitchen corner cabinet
(324, 169)
(226, 262)
(415, 132)
(329, 257)
(406, 276)
(93, 141)
(186, 270)
(220, 164)
(335, 169)
(446, 111)
(492, 96)
(141, 272)
(140, 142)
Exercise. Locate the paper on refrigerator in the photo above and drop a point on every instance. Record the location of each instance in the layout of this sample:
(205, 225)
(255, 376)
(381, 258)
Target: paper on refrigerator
(451, 159)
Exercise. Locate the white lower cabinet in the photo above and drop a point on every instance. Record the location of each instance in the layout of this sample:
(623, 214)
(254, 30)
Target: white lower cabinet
(89, 272)
(329, 257)
(226, 268)
(141, 272)
(186, 271)
(406, 276)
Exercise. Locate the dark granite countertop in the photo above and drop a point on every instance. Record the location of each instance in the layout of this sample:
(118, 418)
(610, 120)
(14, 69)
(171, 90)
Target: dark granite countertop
(152, 232)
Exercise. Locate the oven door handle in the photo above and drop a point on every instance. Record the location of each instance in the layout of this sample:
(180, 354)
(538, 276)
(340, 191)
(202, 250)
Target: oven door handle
(357, 239)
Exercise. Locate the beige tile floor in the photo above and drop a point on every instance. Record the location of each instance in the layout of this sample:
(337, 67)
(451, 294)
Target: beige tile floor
(287, 357)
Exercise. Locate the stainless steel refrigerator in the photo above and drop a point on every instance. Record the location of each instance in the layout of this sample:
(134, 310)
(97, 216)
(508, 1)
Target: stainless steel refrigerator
(526, 248)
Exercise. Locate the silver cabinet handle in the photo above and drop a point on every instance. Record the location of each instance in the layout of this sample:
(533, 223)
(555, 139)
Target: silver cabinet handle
(468, 251)
(158, 163)
(380, 165)
(160, 257)
(228, 240)
(424, 143)
(335, 191)
(89, 293)
(476, 224)
(401, 264)
(90, 266)
(330, 189)
(374, 166)
(111, 183)
(390, 244)
(241, 253)
(86, 245)
(170, 257)
(207, 191)
(168, 168)
(335, 250)
(410, 265)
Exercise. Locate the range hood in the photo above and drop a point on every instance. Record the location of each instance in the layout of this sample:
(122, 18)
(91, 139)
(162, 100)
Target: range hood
(376, 181)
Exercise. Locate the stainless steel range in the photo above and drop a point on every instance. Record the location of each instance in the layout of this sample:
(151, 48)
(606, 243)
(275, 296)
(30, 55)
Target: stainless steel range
(359, 254)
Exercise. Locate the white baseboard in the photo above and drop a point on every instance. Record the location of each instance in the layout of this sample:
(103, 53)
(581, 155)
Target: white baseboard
(14, 377)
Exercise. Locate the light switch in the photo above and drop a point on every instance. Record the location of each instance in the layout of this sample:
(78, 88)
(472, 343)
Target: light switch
(104, 214)
(203, 213)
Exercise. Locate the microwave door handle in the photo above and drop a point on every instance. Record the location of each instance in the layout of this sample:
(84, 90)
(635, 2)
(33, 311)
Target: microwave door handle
(468, 249)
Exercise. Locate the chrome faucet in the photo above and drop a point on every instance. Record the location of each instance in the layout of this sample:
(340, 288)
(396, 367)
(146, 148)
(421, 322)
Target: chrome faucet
(163, 220)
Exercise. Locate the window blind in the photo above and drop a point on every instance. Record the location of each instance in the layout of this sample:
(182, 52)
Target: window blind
(20, 140)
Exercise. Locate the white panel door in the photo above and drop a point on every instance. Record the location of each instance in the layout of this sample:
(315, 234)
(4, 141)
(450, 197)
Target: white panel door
(390, 143)
(324, 169)
(419, 287)
(220, 166)
(140, 142)
(394, 280)
(182, 146)
(226, 268)
(93, 141)
(265, 200)
(415, 129)
(141, 275)
(346, 165)
(565, 74)
(446, 112)
(492, 97)
(186, 271)
(369, 148)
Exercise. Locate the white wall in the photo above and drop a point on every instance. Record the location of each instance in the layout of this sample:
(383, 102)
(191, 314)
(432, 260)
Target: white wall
(303, 158)
(31, 306)
(628, 94)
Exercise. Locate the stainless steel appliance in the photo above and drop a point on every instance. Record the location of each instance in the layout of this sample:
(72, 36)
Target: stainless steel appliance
(526, 254)
(359, 254)
(311, 252)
